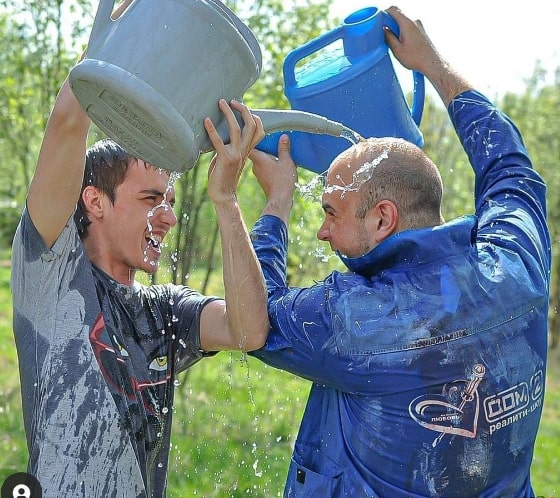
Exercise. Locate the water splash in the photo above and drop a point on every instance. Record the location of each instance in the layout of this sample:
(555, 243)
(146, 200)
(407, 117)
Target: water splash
(365, 172)
(361, 176)
(312, 190)
(165, 205)
(317, 186)
(258, 473)
(352, 136)
(321, 254)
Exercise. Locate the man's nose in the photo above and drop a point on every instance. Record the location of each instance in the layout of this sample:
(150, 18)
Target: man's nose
(323, 233)
(171, 215)
(166, 214)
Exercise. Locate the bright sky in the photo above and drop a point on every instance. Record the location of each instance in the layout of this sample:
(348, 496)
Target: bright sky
(494, 43)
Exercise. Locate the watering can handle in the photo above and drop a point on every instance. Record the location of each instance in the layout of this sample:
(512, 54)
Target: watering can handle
(306, 50)
(419, 90)
(330, 37)
(101, 23)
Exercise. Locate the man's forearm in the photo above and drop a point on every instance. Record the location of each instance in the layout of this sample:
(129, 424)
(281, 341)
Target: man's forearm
(245, 290)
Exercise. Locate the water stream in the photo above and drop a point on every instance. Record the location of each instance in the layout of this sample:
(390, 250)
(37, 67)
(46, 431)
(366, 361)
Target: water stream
(164, 204)
(352, 136)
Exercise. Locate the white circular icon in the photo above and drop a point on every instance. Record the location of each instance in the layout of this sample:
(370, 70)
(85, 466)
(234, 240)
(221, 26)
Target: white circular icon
(21, 491)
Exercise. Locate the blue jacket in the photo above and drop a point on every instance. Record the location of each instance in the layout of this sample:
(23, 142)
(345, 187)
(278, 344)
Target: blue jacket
(428, 359)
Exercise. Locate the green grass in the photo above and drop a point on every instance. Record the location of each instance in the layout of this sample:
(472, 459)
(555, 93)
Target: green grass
(234, 427)
(546, 461)
(13, 450)
(235, 423)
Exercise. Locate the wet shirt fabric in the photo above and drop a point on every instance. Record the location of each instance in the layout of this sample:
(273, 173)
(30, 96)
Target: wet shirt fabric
(97, 363)
(428, 360)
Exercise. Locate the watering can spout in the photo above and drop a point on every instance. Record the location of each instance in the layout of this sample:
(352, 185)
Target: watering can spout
(277, 120)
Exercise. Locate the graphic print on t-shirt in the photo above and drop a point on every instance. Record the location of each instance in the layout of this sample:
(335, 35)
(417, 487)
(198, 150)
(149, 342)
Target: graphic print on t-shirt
(112, 357)
(141, 386)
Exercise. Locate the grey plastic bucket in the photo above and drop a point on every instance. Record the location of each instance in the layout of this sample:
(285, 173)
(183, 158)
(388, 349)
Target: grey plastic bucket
(150, 77)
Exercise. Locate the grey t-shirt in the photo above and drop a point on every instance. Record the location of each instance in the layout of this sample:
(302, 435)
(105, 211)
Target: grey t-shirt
(97, 364)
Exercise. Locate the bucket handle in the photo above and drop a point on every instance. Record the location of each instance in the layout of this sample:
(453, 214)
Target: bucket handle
(330, 37)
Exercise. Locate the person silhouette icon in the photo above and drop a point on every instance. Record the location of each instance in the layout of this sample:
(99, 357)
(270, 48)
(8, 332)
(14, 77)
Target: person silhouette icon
(21, 491)
(21, 485)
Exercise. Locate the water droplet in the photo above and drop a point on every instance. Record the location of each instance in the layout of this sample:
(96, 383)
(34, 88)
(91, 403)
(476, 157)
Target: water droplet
(352, 136)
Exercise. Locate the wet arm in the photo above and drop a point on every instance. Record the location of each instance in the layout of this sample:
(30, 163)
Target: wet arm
(241, 321)
(57, 181)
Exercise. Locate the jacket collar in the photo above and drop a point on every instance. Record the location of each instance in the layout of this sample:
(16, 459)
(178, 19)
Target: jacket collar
(415, 247)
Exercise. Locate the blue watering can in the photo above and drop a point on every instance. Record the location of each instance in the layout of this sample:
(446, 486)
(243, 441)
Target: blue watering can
(355, 85)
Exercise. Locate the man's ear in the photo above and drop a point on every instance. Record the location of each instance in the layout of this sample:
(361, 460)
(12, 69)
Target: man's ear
(93, 201)
(386, 219)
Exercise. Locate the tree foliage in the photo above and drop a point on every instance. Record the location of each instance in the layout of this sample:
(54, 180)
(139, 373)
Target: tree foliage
(537, 114)
(33, 62)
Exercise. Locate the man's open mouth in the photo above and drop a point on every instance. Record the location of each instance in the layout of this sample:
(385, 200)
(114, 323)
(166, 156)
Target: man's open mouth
(154, 241)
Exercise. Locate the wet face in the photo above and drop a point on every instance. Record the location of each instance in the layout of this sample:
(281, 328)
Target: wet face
(140, 218)
(345, 232)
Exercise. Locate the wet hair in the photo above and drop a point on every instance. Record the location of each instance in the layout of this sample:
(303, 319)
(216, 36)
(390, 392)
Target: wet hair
(106, 168)
(402, 173)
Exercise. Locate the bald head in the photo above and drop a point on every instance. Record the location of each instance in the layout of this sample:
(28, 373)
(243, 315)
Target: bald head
(395, 170)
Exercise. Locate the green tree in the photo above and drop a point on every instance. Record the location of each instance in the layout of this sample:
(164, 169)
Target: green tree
(442, 145)
(537, 113)
(33, 62)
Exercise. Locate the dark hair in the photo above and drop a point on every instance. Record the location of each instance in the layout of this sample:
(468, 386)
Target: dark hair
(106, 167)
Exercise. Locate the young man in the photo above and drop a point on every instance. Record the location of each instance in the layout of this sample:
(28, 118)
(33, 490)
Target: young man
(428, 357)
(98, 352)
